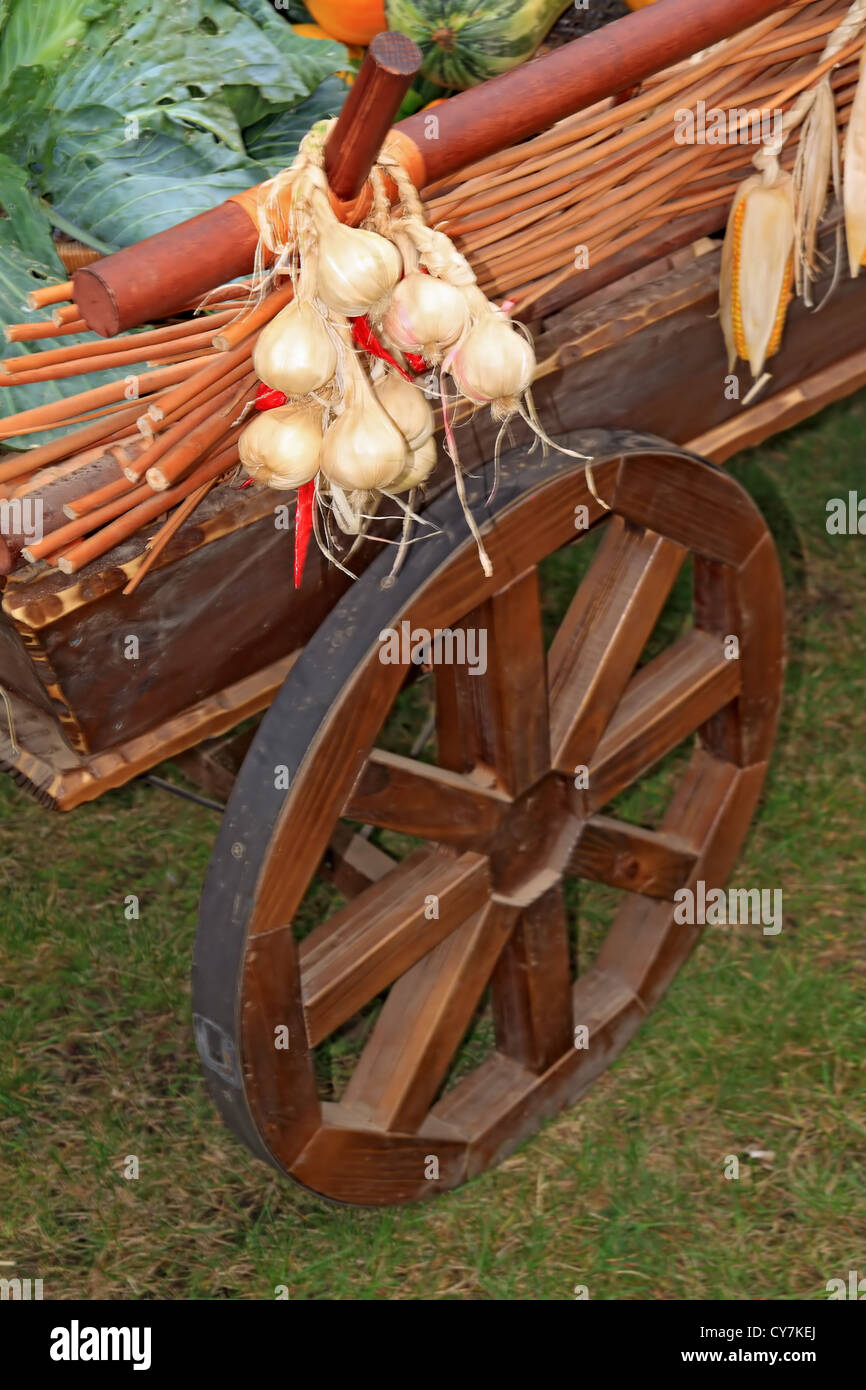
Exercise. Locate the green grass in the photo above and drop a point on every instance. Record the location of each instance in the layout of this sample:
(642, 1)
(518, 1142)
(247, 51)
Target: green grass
(758, 1044)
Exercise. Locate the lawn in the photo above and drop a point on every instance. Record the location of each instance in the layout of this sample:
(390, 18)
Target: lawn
(757, 1049)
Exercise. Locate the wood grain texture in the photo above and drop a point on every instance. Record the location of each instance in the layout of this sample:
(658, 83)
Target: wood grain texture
(531, 986)
(423, 1019)
(631, 857)
(419, 799)
(350, 958)
(597, 646)
(666, 701)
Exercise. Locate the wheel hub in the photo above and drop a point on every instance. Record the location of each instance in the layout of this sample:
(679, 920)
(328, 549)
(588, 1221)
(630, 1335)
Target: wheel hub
(531, 849)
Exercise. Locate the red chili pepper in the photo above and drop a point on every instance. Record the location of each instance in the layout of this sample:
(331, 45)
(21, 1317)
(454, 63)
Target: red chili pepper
(366, 338)
(416, 362)
(303, 526)
(267, 398)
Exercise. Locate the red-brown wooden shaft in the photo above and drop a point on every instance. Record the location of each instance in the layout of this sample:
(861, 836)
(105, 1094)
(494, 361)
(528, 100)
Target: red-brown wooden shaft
(489, 118)
(389, 67)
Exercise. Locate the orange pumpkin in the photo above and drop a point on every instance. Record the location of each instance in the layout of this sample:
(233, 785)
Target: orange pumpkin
(350, 21)
(313, 31)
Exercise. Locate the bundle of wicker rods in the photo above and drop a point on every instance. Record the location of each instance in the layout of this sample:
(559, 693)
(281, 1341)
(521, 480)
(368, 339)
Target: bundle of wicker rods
(603, 179)
(606, 178)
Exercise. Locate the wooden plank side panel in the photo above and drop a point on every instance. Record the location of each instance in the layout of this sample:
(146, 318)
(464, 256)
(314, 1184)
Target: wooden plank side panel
(422, 1022)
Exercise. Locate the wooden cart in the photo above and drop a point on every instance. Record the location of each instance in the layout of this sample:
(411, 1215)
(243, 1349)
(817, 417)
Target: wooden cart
(508, 795)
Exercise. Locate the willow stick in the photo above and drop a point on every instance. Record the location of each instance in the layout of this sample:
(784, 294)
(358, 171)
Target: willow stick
(57, 541)
(68, 314)
(92, 501)
(34, 332)
(51, 294)
(271, 305)
(149, 428)
(199, 345)
(129, 523)
(202, 412)
(42, 416)
(614, 115)
(106, 347)
(100, 430)
(188, 451)
(583, 157)
(155, 547)
(214, 369)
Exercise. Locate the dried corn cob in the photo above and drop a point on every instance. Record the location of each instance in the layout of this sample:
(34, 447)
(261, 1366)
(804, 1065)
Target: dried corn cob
(758, 266)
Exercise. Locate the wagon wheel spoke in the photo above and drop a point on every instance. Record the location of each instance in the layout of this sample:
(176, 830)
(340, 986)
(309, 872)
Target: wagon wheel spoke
(415, 798)
(531, 986)
(603, 634)
(423, 1021)
(666, 701)
(497, 719)
(352, 956)
(630, 857)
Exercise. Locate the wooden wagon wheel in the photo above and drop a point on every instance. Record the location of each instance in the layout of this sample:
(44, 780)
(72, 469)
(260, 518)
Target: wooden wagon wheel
(505, 816)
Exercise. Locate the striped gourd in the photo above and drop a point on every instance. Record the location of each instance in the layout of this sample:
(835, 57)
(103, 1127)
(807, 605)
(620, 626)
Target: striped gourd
(464, 43)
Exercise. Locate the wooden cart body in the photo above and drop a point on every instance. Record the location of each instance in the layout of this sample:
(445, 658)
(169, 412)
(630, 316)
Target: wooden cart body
(219, 622)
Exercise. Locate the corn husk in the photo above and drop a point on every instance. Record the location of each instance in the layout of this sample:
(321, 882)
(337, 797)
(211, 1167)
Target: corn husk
(854, 175)
(817, 162)
(758, 266)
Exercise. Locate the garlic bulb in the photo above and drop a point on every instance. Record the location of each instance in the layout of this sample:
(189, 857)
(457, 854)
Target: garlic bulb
(494, 363)
(356, 269)
(283, 447)
(418, 469)
(408, 407)
(425, 315)
(363, 449)
(294, 352)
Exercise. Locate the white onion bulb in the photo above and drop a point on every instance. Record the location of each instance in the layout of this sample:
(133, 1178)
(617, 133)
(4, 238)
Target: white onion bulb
(356, 269)
(418, 469)
(494, 363)
(363, 448)
(425, 315)
(294, 352)
(408, 407)
(283, 447)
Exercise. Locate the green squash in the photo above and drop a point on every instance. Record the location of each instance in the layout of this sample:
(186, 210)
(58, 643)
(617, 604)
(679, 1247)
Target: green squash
(464, 44)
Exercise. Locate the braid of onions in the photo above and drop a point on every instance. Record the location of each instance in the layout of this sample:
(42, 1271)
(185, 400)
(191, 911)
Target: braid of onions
(354, 420)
